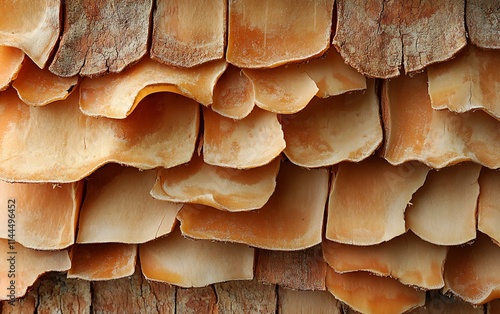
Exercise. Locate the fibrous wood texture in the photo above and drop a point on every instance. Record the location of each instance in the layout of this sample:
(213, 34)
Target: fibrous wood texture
(368, 200)
(414, 131)
(292, 219)
(468, 82)
(270, 33)
(334, 129)
(46, 215)
(298, 270)
(189, 33)
(101, 37)
(483, 23)
(220, 187)
(119, 208)
(378, 37)
(78, 144)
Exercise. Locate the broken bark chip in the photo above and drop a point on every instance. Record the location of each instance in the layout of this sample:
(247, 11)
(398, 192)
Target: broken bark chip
(32, 26)
(220, 187)
(119, 208)
(443, 211)
(46, 214)
(407, 258)
(117, 95)
(57, 143)
(39, 87)
(28, 265)
(368, 293)
(195, 263)
(242, 144)
(189, 33)
(102, 261)
(292, 219)
(472, 272)
(383, 36)
(438, 138)
(334, 129)
(101, 37)
(368, 200)
(270, 33)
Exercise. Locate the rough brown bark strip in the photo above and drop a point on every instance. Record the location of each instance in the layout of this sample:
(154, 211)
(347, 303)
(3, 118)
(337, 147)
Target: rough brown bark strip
(438, 303)
(132, 295)
(483, 23)
(24, 305)
(245, 297)
(67, 295)
(196, 300)
(102, 36)
(300, 270)
(378, 36)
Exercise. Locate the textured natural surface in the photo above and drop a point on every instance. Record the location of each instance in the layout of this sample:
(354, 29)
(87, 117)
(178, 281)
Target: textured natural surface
(225, 157)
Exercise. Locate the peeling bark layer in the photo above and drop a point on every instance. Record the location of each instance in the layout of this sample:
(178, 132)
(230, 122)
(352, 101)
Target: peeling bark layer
(378, 37)
(102, 36)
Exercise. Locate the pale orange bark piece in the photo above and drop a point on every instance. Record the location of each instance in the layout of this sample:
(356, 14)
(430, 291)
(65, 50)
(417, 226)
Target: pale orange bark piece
(334, 129)
(117, 95)
(26, 265)
(11, 60)
(369, 293)
(57, 143)
(287, 89)
(119, 208)
(39, 87)
(318, 302)
(32, 26)
(102, 261)
(443, 211)
(332, 75)
(414, 131)
(468, 82)
(189, 33)
(368, 200)
(292, 219)
(102, 37)
(378, 37)
(195, 263)
(45, 214)
(234, 95)
(270, 33)
(247, 143)
(299, 270)
(472, 272)
(407, 258)
(488, 207)
(220, 187)
(483, 26)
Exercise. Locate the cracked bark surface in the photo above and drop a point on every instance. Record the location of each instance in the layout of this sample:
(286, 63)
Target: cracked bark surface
(132, 294)
(386, 35)
(299, 270)
(483, 23)
(102, 36)
(245, 297)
